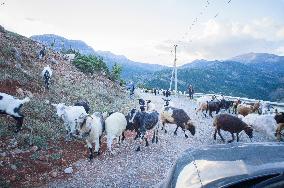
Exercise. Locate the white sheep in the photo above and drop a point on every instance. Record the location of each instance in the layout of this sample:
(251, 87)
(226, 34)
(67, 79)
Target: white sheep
(11, 106)
(115, 125)
(262, 123)
(46, 75)
(92, 129)
(71, 115)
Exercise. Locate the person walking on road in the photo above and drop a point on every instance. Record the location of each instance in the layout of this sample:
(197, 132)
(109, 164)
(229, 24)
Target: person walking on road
(190, 91)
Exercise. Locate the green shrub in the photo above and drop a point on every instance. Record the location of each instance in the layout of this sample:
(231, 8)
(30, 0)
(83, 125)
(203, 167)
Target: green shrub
(35, 156)
(116, 72)
(40, 142)
(56, 156)
(90, 64)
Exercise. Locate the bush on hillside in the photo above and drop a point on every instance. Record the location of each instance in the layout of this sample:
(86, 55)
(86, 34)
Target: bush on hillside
(90, 64)
(116, 72)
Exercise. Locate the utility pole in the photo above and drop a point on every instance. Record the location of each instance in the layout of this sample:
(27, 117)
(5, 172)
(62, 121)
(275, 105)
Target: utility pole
(175, 67)
(174, 72)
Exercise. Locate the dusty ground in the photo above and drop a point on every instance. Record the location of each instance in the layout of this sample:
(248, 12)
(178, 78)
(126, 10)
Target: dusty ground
(128, 168)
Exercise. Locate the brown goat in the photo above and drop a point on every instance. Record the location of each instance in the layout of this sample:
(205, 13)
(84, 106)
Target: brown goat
(231, 124)
(278, 133)
(202, 107)
(248, 108)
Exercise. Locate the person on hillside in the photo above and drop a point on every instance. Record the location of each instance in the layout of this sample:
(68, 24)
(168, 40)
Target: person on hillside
(42, 53)
(190, 91)
(131, 87)
(155, 91)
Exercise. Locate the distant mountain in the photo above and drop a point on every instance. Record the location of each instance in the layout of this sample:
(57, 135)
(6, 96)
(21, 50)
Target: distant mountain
(263, 61)
(135, 71)
(132, 70)
(63, 43)
(225, 77)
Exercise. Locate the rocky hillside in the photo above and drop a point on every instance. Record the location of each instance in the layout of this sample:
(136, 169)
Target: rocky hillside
(39, 151)
(131, 70)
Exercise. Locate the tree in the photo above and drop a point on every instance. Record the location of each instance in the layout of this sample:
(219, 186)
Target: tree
(116, 72)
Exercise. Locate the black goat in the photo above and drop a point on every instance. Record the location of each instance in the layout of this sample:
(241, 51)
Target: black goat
(141, 122)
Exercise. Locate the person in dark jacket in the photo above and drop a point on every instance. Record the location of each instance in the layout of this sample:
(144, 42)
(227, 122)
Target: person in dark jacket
(190, 91)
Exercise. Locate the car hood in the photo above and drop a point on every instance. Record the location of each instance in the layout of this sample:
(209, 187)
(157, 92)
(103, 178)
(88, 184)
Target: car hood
(201, 167)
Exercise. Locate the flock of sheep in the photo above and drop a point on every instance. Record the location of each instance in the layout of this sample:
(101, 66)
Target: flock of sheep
(81, 124)
(251, 116)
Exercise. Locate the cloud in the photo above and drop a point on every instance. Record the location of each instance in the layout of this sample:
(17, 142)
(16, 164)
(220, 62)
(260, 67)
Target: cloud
(222, 40)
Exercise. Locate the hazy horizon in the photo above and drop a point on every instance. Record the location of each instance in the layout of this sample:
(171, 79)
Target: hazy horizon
(145, 31)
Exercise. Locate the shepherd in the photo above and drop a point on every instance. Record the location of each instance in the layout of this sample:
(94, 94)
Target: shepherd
(190, 91)
(131, 87)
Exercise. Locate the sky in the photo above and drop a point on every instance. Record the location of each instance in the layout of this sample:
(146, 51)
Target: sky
(147, 30)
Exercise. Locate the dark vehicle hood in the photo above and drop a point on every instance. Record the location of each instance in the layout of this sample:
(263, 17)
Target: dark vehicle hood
(212, 164)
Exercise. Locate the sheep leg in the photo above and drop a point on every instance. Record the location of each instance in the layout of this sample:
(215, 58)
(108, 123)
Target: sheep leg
(175, 132)
(214, 136)
(147, 143)
(154, 136)
(163, 127)
(233, 138)
(210, 113)
(109, 143)
(119, 139)
(123, 137)
(185, 133)
(203, 113)
(19, 123)
(157, 135)
(238, 137)
(137, 134)
(91, 150)
(219, 133)
(139, 148)
(97, 146)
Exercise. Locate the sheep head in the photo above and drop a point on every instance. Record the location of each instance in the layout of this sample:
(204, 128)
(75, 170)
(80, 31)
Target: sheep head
(248, 130)
(84, 127)
(279, 117)
(59, 108)
(189, 126)
(141, 102)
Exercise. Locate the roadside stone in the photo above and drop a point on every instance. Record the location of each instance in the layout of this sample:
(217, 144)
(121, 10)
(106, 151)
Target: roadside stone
(13, 143)
(13, 167)
(68, 170)
(20, 92)
(13, 178)
(53, 61)
(42, 158)
(34, 148)
(3, 154)
(17, 151)
(53, 174)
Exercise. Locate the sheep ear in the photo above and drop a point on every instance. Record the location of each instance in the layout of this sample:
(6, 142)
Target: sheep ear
(105, 115)
(83, 116)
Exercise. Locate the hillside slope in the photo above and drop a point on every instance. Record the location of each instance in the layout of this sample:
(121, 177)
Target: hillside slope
(20, 76)
(131, 70)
